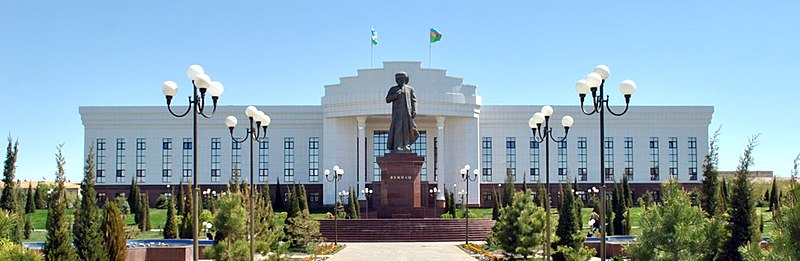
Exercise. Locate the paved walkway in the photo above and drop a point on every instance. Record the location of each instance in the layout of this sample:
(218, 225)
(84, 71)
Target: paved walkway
(402, 251)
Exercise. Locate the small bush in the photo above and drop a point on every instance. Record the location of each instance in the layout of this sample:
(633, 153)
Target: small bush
(162, 202)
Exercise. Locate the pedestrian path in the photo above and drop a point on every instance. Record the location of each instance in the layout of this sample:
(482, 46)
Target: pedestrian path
(435, 251)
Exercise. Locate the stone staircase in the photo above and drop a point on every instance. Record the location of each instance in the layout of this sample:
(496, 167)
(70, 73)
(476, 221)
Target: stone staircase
(405, 230)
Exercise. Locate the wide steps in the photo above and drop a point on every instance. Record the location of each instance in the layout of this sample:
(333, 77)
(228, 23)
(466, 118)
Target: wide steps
(405, 230)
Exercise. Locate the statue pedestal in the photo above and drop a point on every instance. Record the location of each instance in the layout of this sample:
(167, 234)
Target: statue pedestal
(400, 186)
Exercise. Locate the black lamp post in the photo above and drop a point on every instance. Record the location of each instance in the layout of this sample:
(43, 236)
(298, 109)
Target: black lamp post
(201, 84)
(545, 134)
(337, 176)
(257, 131)
(367, 194)
(467, 178)
(594, 81)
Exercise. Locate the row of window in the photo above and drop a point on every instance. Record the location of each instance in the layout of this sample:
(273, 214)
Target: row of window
(186, 159)
(608, 144)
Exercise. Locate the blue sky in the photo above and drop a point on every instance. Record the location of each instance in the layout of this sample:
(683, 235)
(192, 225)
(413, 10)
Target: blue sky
(739, 56)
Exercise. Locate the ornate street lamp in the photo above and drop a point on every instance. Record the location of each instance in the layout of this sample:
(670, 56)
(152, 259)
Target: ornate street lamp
(257, 131)
(367, 194)
(202, 85)
(434, 192)
(596, 81)
(467, 178)
(337, 176)
(545, 134)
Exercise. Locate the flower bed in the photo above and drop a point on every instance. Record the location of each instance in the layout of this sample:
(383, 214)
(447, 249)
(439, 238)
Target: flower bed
(323, 249)
(479, 250)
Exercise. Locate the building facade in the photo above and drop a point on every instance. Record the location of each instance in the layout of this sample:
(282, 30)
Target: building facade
(650, 144)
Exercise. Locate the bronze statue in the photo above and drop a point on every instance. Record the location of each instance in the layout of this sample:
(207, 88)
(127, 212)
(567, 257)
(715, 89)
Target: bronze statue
(403, 131)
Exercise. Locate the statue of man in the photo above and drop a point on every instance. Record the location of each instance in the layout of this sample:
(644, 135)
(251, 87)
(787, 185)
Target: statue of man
(403, 131)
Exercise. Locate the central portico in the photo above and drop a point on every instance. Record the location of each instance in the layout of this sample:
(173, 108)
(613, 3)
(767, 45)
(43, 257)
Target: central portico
(356, 117)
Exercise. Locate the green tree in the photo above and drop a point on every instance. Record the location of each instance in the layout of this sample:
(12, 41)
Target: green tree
(725, 196)
(38, 196)
(135, 199)
(58, 245)
(8, 200)
(180, 199)
(230, 223)
(627, 193)
(508, 189)
(520, 227)
(171, 224)
(452, 208)
(496, 205)
(567, 230)
(114, 232)
(186, 229)
(773, 199)
(673, 230)
(618, 206)
(144, 213)
(267, 232)
(710, 189)
(280, 201)
(300, 229)
(28, 227)
(89, 241)
(30, 204)
(742, 210)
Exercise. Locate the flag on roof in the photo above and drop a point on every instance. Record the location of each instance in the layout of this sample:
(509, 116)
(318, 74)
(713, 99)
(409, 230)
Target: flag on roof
(374, 37)
(435, 35)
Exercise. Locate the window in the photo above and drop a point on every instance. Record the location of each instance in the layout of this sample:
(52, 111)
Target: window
(692, 158)
(101, 160)
(236, 159)
(486, 196)
(263, 160)
(166, 160)
(583, 172)
(511, 156)
(141, 146)
(534, 160)
(435, 158)
(313, 197)
(186, 162)
(609, 158)
(120, 159)
(313, 159)
(379, 139)
(486, 159)
(673, 157)
(654, 158)
(216, 170)
(629, 157)
(420, 147)
(562, 160)
(288, 159)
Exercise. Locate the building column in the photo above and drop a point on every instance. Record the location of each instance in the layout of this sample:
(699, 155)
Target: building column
(362, 152)
(440, 182)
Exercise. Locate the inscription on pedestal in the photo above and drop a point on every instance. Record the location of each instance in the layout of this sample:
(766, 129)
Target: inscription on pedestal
(400, 184)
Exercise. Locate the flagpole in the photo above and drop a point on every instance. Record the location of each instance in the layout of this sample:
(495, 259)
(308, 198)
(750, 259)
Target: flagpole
(371, 46)
(430, 46)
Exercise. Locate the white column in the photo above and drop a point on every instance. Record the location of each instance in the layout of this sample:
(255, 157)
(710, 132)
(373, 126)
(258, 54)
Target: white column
(440, 163)
(362, 152)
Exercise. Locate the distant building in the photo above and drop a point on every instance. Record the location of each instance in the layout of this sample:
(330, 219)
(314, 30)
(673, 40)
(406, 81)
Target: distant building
(650, 144)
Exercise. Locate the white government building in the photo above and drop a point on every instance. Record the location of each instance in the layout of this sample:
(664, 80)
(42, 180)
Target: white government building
(649, 144)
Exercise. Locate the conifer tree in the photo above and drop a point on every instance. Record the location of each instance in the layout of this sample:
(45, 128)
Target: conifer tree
(452, 209)
(89, 241)
(30, 204)
(741, 211)
(302, 199)
(627, 194)
(179, 201)
(8, 200)
(187, 225)
(38, 197)
(267, 232)
(508, 189)
(58, 245)
(496, 205)
(520, 227)
(567, 230)
(171, 224)
(28, 227)
(709, 199)
(618, 205)
(773, 199)
(134, 198)
(144, 213)
(279, 199)
(114, 232)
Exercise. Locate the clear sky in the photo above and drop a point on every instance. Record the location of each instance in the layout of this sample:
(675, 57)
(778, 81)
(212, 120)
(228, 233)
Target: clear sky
(739, 56)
